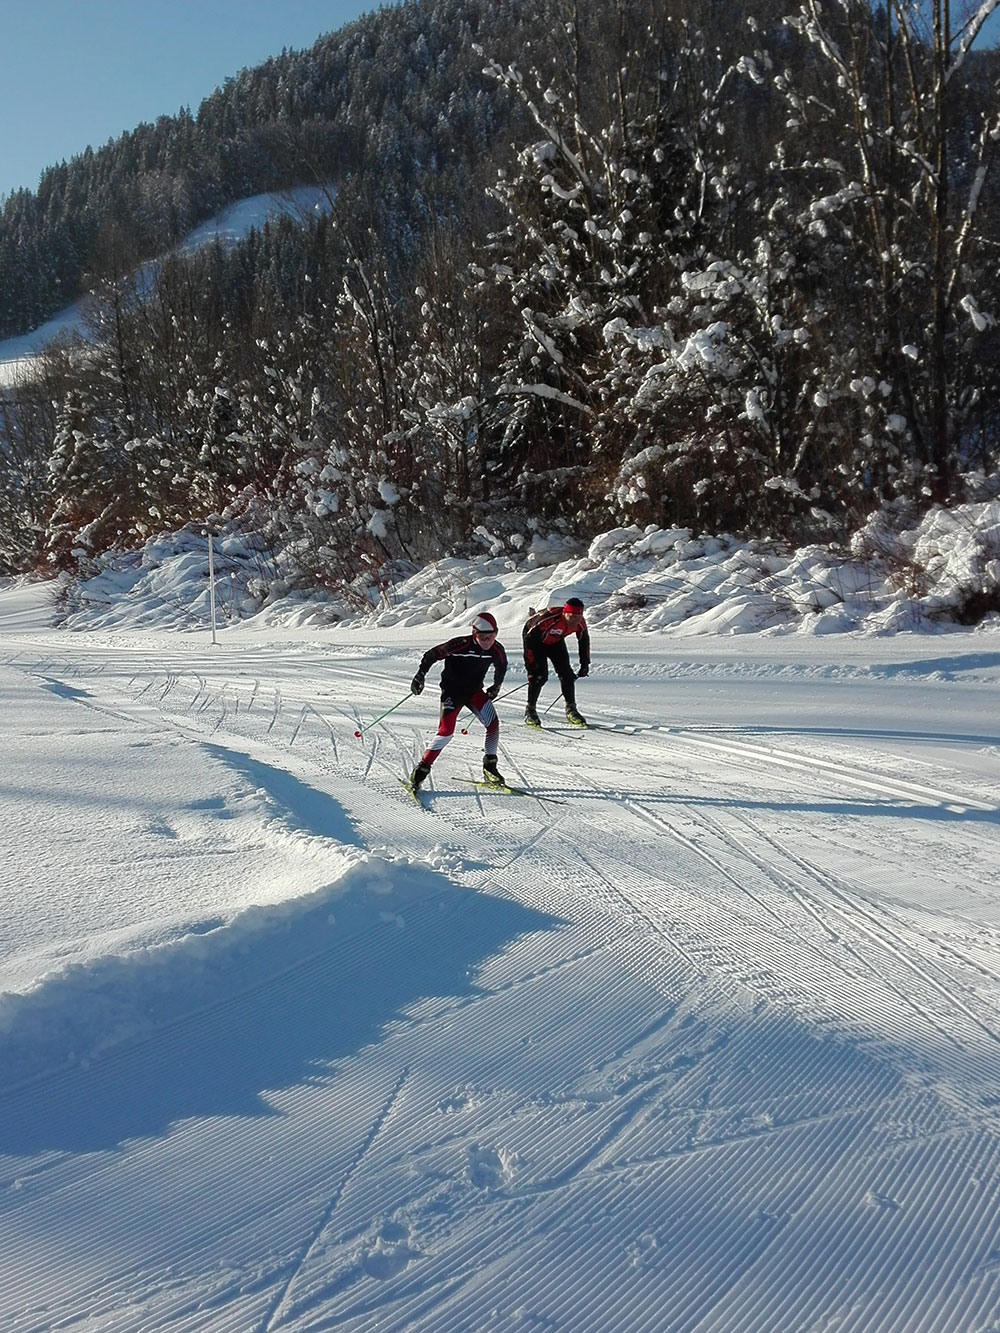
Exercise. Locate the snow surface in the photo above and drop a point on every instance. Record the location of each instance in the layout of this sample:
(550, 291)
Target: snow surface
(706, 1040)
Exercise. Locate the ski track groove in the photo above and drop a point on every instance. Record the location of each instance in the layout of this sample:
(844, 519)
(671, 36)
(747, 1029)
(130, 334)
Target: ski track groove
(895, 787)
(878, 973)
(865, 917)
(663, 826)
(815, 906)
(632, 909)
(273, 1317)
(294, 1181)
(973, 964)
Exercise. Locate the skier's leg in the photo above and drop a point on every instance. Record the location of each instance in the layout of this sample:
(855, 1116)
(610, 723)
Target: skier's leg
(560, 661)
(538, 673)
(482, 705)
(445, 731)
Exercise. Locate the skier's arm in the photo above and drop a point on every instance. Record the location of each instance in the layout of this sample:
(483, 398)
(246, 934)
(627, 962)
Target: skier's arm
(531, 644)
(432, 655)
(499, 668)
(583, 641)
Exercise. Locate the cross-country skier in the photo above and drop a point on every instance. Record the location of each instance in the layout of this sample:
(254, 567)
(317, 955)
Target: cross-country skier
(466, 662)
(544, 639)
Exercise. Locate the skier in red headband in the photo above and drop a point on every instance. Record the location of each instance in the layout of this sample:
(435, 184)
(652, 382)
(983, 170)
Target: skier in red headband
(544, 639)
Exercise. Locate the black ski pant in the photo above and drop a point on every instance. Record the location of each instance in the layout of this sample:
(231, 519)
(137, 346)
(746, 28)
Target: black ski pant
(537, 657)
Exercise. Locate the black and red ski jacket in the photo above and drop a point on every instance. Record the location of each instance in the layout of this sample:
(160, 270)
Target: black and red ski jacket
(544, 628)
(465, 665)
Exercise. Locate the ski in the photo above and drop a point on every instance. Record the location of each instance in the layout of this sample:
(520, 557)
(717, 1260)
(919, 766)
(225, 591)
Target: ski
(513, 791)
(557, 729)
(408, 785)
(573, 730)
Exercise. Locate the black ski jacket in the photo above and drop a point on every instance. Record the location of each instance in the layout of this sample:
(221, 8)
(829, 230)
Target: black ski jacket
(465, 665)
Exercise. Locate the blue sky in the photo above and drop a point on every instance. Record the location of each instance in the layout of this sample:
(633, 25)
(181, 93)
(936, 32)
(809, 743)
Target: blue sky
(79, 72)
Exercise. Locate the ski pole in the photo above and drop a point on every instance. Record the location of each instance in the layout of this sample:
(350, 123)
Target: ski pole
(554, 701)
(385, 714)
(509, 692)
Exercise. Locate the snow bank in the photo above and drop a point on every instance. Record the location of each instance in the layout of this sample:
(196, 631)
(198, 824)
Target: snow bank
(82, 1010)
(942, 573)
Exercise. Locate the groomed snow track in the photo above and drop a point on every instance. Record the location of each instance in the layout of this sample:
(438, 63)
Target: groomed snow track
(712, 1047)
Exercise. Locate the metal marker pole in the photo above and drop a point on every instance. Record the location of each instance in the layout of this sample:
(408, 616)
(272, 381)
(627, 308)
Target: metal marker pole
(211, 582)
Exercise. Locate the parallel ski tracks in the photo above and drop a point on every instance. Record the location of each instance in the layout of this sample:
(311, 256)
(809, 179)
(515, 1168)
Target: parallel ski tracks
(851, 926)
(899, 788)
(875, 923)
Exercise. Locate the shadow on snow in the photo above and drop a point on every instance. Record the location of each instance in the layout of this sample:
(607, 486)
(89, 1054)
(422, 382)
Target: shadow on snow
(123, 1047)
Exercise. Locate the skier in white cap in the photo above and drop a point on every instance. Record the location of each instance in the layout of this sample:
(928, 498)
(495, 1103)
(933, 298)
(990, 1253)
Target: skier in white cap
(466, 662)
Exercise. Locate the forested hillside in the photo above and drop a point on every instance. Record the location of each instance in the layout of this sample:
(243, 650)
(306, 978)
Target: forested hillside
(393, 95)
(728, 267)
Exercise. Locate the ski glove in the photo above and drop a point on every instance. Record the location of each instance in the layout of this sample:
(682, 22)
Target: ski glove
(584, 671)
(417, 684)
(493, 691)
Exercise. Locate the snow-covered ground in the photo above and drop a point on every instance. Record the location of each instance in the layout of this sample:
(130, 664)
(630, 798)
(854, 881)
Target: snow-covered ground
(705, 1040)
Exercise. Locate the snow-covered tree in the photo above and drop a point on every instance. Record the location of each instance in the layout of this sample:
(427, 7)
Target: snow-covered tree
(449, 407)
(586, 243)
(900, 139)
(91, 488)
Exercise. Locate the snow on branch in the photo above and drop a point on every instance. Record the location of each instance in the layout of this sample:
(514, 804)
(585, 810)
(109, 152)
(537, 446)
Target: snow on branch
(544, 391)
(541, 337)
(989, 135)
(969, 33)
(511, 78)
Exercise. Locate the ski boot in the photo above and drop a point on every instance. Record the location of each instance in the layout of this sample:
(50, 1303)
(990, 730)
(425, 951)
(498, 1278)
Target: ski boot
(490, 772)
(531, 719)
(419, 774)
(575, 718)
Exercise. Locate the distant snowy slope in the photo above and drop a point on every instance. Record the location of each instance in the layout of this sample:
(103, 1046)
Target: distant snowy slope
(17, 353)
(236, 222)
(233, 224)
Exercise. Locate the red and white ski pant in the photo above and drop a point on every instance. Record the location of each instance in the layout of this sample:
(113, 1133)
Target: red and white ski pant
(480, 704)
